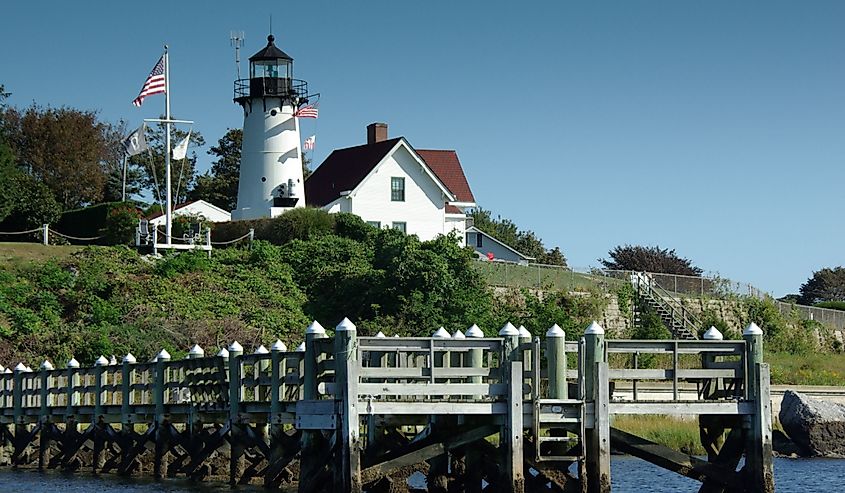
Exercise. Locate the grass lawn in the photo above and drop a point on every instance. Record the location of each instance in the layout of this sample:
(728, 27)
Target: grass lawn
(21, 253)
(677, 434)
(541, 277)
(807, 369)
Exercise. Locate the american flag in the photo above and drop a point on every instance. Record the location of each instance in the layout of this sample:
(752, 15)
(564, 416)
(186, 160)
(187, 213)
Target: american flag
(155, 83)
(308, 111)
(309, 143)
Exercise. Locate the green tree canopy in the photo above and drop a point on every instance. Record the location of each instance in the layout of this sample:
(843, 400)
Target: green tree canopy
(220, 185)
(649, 259)
(183, 171)
(827, 284)
(113, 167)
(64, 148)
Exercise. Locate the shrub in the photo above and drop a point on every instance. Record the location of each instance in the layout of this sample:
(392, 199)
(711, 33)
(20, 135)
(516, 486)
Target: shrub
(120, 225)
(302, 223)
(183, 262)
(351, 226)
(833, 305)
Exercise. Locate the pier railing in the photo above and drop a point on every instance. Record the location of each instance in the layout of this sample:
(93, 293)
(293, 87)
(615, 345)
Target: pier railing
(340, 400)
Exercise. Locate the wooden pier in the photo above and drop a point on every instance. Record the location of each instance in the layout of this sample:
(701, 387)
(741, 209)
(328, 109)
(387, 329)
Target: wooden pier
(505, 414)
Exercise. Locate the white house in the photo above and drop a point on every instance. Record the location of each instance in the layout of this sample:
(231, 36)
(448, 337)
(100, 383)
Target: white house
(210, 212)
(489, 248)
(390, 184)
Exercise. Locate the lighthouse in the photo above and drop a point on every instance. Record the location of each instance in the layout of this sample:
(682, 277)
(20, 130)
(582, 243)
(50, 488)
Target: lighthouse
(271, 179)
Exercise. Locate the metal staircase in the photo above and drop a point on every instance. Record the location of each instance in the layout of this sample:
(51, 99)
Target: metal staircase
(681, 322)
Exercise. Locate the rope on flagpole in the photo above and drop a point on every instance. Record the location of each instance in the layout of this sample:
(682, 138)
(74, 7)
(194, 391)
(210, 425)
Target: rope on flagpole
(182, 168)
(157, 189)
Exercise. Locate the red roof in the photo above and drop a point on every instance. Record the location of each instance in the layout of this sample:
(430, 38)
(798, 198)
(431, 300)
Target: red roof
(447, 167)
(344, 169)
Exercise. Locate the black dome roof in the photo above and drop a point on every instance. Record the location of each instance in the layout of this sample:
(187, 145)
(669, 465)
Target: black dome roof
(270, 52)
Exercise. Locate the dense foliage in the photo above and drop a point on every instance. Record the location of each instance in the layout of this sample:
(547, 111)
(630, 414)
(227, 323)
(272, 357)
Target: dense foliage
(649, 259)
(64, 148)
(110, 300)
(523, 241)
(827, 284)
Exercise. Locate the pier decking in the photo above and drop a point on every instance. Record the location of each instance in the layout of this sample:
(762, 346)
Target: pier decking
(358, 414)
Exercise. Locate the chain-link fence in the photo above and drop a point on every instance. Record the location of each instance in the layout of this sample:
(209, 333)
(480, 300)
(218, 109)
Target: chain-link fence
(834, 319)
(538, 276)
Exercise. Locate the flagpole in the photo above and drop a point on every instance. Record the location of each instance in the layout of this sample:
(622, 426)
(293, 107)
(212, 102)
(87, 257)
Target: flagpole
(169, 206)
(123, 194)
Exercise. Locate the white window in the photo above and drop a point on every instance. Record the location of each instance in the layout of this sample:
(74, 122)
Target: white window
(375, 224)
(401, 226)
(397, 189)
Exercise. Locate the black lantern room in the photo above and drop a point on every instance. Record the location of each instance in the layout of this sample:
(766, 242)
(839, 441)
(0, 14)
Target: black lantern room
(271, 75)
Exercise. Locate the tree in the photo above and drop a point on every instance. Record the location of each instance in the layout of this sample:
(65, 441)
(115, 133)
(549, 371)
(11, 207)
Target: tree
(64, 148)
(113, 167)
(826, 285)
(182, 172)
(7, 172)
(220, 185)
(28, 203)
(649, 259)
(525, 242)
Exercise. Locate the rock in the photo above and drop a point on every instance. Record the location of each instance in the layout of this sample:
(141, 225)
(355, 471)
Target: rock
(817, 427)
(783, 446)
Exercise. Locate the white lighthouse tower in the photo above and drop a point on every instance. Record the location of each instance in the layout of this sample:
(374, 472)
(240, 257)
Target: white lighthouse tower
(271, 179)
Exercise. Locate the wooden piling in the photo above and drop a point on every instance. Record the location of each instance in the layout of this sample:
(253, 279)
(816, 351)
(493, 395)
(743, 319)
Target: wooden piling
(758, 455)
(236, 448)
(511, 434)
(346, 381)
(311, 439)
(159, 396)
(597, 392)
(556, 362)
(474, 463)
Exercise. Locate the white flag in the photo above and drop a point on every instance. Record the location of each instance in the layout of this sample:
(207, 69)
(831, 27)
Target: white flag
(181, 149)
(309, 143)
(135, 143)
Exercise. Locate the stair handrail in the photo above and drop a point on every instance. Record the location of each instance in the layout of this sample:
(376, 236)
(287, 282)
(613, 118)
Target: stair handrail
(677, 309)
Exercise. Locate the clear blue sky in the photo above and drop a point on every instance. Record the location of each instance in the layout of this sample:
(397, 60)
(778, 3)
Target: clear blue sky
(716, 128)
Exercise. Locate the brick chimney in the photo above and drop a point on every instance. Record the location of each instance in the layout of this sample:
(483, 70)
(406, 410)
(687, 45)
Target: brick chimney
(376, 132)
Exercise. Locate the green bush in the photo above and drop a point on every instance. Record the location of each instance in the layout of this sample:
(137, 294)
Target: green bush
(302, 223)
(121, 223)
(182, 263)
(85, 222)
(351, 226)
(833, 305)
(780, 333)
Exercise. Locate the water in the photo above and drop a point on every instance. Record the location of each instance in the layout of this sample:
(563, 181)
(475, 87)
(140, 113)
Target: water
(629, 475)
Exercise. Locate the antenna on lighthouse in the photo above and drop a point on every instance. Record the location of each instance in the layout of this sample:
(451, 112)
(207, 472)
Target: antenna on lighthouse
(236, 39)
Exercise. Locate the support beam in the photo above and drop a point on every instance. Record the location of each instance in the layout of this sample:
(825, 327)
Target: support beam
(686, 465)
(422, 452)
